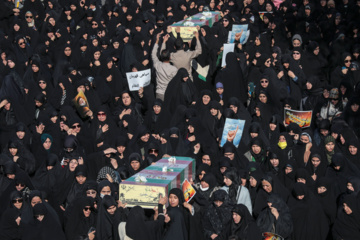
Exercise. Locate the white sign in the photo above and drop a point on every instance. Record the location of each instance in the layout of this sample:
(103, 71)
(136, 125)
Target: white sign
(136, 80)
(228, 47)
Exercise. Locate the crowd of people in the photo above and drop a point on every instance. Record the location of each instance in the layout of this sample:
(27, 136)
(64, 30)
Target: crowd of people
(62, 160)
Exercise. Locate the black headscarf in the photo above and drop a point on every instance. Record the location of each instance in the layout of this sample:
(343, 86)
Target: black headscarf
(327, 199)
(179, 92)
(77, 224)
(107, 224)
(267, 221)
(246, 228)
(347, 226)
(49, 227)
(9, 229)
(308, 216)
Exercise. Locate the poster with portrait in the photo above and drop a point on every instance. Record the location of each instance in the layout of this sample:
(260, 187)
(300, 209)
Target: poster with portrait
(188, 190)
(81, 104)
(239, 30)
(301, 118)
(139, 79)
(233, 131)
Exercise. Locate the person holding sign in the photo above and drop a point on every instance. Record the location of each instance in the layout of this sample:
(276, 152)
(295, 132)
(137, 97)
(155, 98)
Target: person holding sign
(180, 58)
(164, 70)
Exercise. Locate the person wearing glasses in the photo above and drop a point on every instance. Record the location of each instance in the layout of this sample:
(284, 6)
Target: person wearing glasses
(342, 73)
(333, 108)
(81, 220)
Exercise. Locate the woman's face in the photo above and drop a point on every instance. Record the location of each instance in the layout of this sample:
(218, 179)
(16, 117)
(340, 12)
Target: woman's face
(135, 165)
(35, 200)
(254, 134)
(42, 84)
(87, 211)
(18, 202)
(252, 181)
(157, 109)
(268, 62)
(353, 150)
(101, 116)
(330, 146)
(116, 45)
(29, 17)
(315, 161)
(326, 93)
(126, 99)
(105, 190)
(263, 98)
(80, 179)
(227, 181)
(191, 129)
(47, 144)
(296, 55)
(35, 68)
(316, 51)
(234, 108)
(264, 83)
(173, 200)
(206, 99)
(225, 22)
(350, 186)
(257, 41)
(16, 27)
(268, 7)
(308, 86)
(257, 112)
(266, 186)
(97, 55)
(355, 107)
(272, 126)
(145, 138)
(321, 189)
(52, 21)
(296, 43)
(256, 149)
(120, 149)
(67, 51)
(111, 210)
(201, 175)
(236, 217)
(213, 111)
(288, 170)
(274, 162)
(73, 164)
(13, 151)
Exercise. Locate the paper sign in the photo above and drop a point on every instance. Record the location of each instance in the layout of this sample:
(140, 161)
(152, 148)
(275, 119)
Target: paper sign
(136, 80)
(81, 104)
(186, 33)
(233, 131)
(238, 29)
(142, 195)
(228, 47)
(188, 190)
(301, 118)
